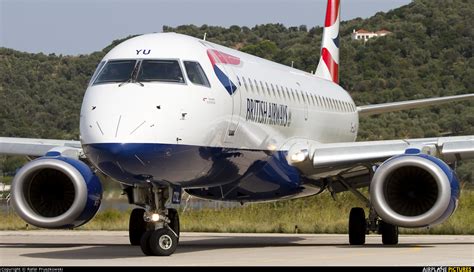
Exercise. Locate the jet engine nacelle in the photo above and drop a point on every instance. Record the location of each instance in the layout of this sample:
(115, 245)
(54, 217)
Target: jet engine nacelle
(56, 192)
(414, 190)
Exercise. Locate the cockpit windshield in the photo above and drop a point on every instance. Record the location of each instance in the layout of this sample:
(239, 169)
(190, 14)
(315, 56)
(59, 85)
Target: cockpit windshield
(160, 70)
(123, 71)
(116, 71)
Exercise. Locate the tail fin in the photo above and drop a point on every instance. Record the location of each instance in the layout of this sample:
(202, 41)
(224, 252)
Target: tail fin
(328, 67)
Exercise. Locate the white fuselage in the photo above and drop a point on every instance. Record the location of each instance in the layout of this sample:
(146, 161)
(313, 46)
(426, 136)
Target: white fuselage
(320, 110)
(234, 132)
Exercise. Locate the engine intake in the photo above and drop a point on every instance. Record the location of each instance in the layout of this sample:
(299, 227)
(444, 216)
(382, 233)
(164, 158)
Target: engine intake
(414, 191)
(56, 192)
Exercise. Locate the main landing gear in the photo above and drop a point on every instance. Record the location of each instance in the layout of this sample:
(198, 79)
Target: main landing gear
(359, 225)
(155, 229)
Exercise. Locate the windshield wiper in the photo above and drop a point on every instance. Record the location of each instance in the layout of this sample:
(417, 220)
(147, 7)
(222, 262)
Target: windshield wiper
(133, 76)
(125, 82)
(139, 83)
(131, 81)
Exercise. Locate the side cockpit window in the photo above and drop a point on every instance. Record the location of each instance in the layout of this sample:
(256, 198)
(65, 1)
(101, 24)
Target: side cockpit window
(160, 70)
(97, 70)
(196, 74)
(116, 71)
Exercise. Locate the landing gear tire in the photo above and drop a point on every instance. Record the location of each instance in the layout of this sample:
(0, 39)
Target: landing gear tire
(357, 226)
(389, 233)
(144, 243)
(163, 242)
(136, 226)
(174, 221)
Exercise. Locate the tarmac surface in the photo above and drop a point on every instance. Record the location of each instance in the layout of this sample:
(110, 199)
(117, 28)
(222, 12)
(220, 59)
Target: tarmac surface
(111, 248)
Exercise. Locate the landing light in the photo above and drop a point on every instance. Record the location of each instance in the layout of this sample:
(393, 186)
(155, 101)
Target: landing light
(155, 217)
(299, 156)
(272, 147)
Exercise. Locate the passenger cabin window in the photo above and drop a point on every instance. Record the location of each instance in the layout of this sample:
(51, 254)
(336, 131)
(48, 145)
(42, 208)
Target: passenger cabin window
(116, 71)
(160, 70)
(196, 74)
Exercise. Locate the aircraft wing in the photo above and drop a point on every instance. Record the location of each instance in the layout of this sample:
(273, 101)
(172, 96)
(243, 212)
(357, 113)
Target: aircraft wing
(354, 159)
(39, 147)
(411, 104)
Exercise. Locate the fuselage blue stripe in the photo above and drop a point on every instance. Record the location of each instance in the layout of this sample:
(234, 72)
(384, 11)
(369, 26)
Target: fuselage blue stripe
(239, 173)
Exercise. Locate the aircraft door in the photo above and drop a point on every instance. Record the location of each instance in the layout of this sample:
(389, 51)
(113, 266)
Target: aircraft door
(236, 108)
(228, 78)
(305, 99)
(306, 105)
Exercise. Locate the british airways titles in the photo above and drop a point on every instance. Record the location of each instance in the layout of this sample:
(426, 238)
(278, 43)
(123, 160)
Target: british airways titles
(269, 113)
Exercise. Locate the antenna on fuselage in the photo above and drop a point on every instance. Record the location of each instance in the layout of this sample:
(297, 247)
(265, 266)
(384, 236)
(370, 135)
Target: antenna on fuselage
(205, 34)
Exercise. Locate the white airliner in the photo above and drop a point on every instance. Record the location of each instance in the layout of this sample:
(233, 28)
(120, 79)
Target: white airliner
(168, 112)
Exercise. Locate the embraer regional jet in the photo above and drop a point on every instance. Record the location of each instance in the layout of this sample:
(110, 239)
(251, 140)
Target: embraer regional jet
(167, 112)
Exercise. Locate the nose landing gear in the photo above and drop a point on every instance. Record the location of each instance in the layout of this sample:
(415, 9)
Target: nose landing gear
(155, 228)
(137, 226)
(162, 236)
(163, 242)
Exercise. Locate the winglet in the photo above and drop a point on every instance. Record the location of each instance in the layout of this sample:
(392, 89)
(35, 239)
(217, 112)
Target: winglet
(328, 67)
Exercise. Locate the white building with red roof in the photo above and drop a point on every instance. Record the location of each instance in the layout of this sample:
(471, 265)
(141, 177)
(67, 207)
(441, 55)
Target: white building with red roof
(364, 35)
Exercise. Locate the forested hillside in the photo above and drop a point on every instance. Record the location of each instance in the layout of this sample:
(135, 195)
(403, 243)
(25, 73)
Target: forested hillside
(429, 54)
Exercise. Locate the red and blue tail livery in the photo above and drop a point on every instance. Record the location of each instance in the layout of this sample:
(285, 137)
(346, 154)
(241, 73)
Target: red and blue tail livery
(328, 67)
